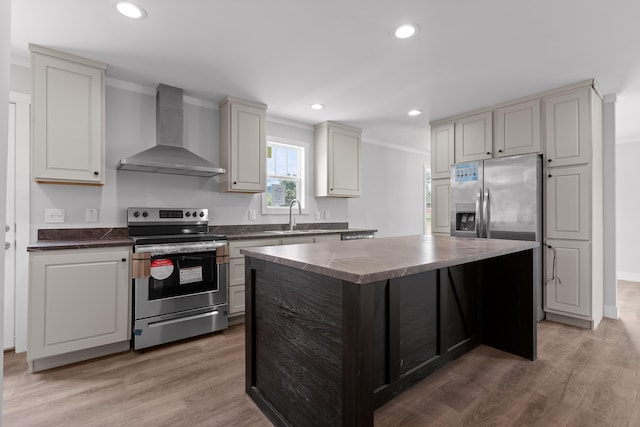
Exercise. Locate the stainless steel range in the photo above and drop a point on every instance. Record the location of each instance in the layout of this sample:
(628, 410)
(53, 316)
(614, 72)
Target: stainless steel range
(179, 275)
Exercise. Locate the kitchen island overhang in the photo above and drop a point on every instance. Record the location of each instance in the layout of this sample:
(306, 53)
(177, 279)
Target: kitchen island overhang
(337, 329)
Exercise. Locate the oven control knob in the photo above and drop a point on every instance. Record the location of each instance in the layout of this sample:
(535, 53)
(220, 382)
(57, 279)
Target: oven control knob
(195, 214)
(188, 214)
(201, 214)
(136, 214)
(145, 214)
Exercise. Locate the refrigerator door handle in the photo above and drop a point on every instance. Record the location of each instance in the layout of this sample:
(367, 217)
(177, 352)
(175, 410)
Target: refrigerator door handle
(486, 214)
(479, 222)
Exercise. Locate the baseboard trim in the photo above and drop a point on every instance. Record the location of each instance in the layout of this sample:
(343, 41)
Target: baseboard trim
(611, 312)
(627, 276)
(572, 321)
(77, 356)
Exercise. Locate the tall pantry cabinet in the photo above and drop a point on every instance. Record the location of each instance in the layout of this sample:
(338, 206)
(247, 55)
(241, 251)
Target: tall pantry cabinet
(574, 256)
(565, 125)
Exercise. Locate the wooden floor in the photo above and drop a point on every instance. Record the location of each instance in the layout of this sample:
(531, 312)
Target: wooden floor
(581, 378)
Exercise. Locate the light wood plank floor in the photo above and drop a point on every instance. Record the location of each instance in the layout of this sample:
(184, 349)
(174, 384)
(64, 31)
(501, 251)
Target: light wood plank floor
(581, 378)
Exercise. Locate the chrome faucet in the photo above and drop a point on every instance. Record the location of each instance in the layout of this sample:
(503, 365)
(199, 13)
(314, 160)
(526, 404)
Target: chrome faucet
(291, 221)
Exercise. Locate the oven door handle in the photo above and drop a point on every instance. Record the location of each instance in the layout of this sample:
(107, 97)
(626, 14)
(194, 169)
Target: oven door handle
(183, 319)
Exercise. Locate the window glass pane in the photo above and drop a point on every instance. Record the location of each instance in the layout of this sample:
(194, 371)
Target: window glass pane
(271, 161)
(280, 192)
(281, 161)
(292, 162)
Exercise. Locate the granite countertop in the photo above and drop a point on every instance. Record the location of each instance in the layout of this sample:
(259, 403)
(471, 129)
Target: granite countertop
(79, 238)
(84, 238)
(51, 245)
(366, 261)
(264, 234)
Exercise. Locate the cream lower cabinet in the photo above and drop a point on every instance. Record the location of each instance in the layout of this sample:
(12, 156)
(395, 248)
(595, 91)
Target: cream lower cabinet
(236, 272)
(236, 264)
(567, 278)
(440, 222)
(78, 300)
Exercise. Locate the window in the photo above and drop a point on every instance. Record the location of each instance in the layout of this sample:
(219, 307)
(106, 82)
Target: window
(285, 176)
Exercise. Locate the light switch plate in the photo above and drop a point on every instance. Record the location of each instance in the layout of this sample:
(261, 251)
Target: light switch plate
(91, 215)
(327, 216)
(252, 215)
(53, 216)
(318, 215)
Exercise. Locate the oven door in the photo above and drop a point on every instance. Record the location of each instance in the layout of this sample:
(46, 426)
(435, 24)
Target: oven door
(180, 282)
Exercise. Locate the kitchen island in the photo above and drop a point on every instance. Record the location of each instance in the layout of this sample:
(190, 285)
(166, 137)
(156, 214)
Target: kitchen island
(337, 329)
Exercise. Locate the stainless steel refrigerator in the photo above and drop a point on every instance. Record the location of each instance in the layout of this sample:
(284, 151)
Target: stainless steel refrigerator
(500, 199)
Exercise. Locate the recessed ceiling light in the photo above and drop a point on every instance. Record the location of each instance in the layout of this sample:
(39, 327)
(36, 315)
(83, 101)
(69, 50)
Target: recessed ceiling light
(406, 31)
(415, 112)
(317, 106)
(130, 10)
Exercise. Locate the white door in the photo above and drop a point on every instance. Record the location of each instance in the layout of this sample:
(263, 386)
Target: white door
(10, 240)
(17, 260)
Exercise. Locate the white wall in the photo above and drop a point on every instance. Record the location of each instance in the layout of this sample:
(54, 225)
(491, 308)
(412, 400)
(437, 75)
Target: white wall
(392, 198)
(5, 42)
(627, 211)
(130, 128)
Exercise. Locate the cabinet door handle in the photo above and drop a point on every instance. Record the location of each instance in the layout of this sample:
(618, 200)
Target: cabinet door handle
(549, 176)
(234, 182)
(488, 153)
(499, 151)
(123, 260)
(549, 160)
(96, 173)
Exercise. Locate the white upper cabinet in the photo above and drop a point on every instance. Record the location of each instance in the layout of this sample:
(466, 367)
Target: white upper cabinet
(337, 160)
(474, 137)
(442, 144)
(568, 128)
(517, 129)
(68, 118)
(243, 146)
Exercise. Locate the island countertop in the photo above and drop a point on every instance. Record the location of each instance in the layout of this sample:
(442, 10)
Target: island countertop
(367, 261)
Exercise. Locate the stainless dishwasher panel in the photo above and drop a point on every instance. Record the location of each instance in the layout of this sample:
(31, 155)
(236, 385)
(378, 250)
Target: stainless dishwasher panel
(356, 236)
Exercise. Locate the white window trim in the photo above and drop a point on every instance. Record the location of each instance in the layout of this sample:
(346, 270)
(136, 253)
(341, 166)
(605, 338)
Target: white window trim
(307, 176)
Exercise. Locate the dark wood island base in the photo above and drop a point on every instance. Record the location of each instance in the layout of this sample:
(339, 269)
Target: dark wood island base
(335, 330)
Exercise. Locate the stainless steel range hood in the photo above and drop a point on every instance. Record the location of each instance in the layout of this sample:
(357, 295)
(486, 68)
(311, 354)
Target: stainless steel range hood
(168, 155)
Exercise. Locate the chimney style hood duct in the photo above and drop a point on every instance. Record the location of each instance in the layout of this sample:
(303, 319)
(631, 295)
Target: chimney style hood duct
(168, 155)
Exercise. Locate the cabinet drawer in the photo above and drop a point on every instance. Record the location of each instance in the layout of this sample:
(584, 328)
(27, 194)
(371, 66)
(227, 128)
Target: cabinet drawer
(236, 299)
(327, 238)
(298, 239)
(234, 247)
(236, 271)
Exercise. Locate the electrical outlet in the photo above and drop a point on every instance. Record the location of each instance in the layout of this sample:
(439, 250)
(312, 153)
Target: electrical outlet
(53, 216)
(91, 215)
(318, 215)
(327, 216)
(252, 215)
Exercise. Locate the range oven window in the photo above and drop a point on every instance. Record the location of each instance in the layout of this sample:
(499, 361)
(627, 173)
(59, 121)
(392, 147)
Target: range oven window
(182, 274)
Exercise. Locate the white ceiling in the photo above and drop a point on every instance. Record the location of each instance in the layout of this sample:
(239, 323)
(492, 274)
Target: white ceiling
(292, 53)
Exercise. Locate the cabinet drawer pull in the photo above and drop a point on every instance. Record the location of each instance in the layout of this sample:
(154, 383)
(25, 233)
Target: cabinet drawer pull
(488, 153)
(123, 260)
